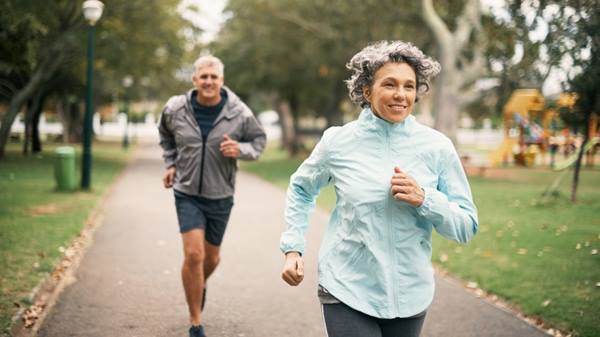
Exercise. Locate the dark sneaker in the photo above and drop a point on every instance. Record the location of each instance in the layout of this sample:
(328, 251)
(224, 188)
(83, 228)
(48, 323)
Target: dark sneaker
(197, 331)
(203, 299)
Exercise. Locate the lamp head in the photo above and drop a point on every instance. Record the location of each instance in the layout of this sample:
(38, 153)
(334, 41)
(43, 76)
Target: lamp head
(92, 11)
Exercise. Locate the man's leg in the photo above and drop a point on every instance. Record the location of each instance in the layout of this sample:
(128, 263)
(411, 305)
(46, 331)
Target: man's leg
(192, 272)
(212, 258)
(217, 215)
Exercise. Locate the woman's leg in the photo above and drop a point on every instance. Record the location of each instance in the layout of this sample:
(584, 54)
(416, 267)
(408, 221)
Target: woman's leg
(343, 321)
(402, 327)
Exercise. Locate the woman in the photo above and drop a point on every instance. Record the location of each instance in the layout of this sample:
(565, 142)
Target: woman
(395, 180)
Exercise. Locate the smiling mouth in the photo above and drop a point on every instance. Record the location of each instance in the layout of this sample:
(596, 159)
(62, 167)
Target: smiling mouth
(397, 107)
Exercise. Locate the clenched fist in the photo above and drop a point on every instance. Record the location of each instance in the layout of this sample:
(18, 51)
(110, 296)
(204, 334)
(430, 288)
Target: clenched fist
(293, 269)
(405, 188)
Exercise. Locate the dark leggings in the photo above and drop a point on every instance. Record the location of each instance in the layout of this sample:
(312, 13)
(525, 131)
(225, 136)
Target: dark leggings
(343, 321)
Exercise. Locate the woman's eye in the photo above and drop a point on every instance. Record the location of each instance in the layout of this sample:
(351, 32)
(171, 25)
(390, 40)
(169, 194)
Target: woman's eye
(388, 85)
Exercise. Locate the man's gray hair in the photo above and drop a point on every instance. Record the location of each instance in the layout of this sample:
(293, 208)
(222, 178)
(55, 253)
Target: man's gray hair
(209, 61)
(366, 62)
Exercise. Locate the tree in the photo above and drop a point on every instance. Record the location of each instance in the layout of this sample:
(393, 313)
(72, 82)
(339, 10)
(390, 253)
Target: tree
(25, 70)
(295, 52)
(586, 84)
(45, 56)
(461, 54)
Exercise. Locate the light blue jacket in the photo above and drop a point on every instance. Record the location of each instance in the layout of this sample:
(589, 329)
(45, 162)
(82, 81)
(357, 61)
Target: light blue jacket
(376, 253)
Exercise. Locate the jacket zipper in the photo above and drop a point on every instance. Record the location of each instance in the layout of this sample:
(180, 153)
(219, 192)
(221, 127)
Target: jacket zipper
(202, 163)
(391, 229)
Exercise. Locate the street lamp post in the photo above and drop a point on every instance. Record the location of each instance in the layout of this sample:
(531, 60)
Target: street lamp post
(92, 11)
(127, 82)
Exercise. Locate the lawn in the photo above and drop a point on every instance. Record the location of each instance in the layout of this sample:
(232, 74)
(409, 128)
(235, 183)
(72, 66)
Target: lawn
(540, 255)
(37, 222)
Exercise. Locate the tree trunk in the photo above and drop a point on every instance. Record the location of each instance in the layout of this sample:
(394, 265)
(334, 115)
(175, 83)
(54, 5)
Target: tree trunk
(32, 119)
(447, 104)
(332, 108)
(586, 138)
(286, 120)
(27, 122)
(36, 143)
(449, 97)
(44, 71)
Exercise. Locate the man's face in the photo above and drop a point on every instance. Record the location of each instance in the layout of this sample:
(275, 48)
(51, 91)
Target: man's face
(208, 82)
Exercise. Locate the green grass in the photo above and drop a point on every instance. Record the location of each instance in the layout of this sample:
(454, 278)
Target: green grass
(35, 219)
(537, 254)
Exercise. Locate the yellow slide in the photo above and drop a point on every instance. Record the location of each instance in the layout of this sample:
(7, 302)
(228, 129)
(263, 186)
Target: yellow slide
(504, 151)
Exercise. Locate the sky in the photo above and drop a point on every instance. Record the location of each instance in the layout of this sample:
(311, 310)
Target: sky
(210, 18)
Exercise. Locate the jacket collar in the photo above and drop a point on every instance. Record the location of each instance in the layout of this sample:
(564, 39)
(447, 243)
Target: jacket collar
(231, 109)
(370, 122)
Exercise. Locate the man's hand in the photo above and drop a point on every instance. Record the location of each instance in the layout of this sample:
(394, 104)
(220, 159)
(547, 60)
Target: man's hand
(293, 269)
(405, 188)
(229, 147)
(169, 177)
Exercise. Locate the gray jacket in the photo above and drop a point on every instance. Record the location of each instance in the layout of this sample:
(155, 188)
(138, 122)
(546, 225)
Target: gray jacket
(201, 168)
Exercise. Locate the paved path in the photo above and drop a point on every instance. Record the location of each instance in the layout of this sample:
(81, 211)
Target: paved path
(128, 283)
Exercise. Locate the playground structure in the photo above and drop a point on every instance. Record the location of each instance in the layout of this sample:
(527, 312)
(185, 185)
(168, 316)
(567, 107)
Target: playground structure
(531, 130)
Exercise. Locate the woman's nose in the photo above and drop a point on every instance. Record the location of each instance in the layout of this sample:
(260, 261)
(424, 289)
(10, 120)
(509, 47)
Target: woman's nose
(399, 93)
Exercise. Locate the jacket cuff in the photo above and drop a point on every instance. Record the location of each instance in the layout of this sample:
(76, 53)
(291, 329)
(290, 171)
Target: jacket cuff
(432, 197)
(169, 163)
(292, 247)
(247, 152)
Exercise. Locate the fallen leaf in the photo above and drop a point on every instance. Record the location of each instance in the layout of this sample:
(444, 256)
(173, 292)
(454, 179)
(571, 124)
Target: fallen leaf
(522, 251)
(443, 258)
(578, 246)
(546, 303)
(472, 285)
(594, 251)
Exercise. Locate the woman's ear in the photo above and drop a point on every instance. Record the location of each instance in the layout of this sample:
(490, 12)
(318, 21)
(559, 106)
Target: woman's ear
(366, 93)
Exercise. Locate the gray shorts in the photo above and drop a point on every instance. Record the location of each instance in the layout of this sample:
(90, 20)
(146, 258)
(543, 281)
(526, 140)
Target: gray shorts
(207, 214)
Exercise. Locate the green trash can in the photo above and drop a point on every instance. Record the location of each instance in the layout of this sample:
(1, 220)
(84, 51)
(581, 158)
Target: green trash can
(64, 168)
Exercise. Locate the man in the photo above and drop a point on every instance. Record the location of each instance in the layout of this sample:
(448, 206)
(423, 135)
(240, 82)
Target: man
(203, 133)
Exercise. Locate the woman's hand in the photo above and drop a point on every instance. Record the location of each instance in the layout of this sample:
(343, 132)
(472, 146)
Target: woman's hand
(293, 269)
(405, 188)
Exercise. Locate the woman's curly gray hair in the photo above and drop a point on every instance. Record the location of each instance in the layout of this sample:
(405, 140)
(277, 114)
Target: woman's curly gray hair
(366, 62)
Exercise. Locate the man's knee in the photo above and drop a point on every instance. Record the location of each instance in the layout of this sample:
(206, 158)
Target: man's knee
(194, 257)
(213, 260)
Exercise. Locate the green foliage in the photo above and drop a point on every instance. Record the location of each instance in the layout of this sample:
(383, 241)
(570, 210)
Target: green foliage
(35, 220)
(540, 256)
(586, 85)
(298, 49)
(144, 40)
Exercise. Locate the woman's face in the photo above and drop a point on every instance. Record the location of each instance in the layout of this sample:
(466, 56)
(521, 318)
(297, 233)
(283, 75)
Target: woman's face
(393, 93)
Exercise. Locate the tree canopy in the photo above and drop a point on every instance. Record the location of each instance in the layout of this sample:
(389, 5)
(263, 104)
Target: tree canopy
(44, 51)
